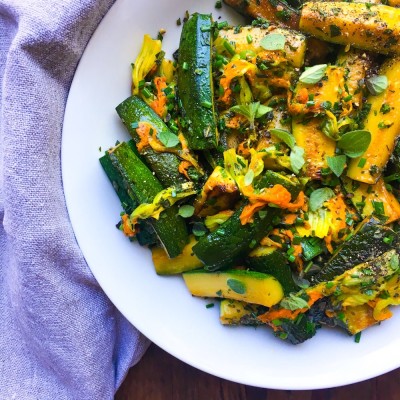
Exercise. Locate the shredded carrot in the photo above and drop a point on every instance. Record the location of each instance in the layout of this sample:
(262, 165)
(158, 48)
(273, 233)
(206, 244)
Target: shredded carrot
(233, 70)
(143, 131)
(183, 168)
(289, 219)
(127, 226)
(277, 195)
(160, 102)
(328, 243)
(243, 149)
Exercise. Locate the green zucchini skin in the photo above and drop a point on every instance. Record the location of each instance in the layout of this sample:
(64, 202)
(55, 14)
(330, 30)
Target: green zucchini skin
(146, 235)
(366, 244)
(195, 86)
(165, 165)
(144, 186)
(232, 241)
(275, 264)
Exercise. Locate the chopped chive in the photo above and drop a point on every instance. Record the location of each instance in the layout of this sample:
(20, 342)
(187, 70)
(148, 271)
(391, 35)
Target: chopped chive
(357, 337)
(249, 39)
(292, 258)
(210, 305)
(378, 207)
(362, 162)
(185, 66)
(206, 104)
(348, 98)
(229, 48)
(218, 4)
(146, 93)
(222, 25)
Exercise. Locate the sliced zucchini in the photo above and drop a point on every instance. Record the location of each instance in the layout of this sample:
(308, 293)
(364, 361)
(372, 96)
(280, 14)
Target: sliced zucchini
(248, 286)
(373, 200)
(164, 164)
(186, 261)
(144, 186)
(145, 235)
(369, 241)
(195, 85)
(383, 122)
(234, 312)
(289, 182)
(232, 241)
(248, 39)
(270, 260)
(374, 28)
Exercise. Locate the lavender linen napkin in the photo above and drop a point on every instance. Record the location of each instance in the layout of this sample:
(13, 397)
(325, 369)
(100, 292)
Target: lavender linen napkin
(60, 337)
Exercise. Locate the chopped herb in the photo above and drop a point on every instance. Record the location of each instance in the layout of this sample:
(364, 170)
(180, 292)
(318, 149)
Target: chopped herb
(236, 285)
(210, 305)
(199, 229)
(357, 337)
(167, 138)
(385, 108)
(186, 211)
(313, 74)
(293, 302)
(273, 41)
(362, 162)
(334, 30)
(319, 197)
(354, 143)
(378, 207)
(377, 84)
(218, 4)
(337, 164)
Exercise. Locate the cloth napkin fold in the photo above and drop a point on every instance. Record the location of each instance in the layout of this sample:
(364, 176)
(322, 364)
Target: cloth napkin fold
(60, 336)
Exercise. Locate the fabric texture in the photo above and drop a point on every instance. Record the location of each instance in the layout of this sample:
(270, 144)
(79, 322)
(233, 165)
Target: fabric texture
(60, 336)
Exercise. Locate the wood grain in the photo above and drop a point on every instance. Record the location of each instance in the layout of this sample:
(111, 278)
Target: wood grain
(160, 376)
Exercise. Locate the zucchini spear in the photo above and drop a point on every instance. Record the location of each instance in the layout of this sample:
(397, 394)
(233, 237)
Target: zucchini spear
(195, 87)
(144, 186)
(367, 26)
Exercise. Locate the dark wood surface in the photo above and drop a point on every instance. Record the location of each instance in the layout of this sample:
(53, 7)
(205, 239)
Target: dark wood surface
(159, 376)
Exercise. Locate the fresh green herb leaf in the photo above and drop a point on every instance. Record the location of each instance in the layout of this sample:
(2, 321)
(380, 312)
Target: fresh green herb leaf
(236, 285)
(285, 136)
(313, 74)
(337, 164)
(199, 229)
(357, 337)
(354, 143)
(377, 84)
(297, 159)
(293, 303)
(394, 262)
(262, 110)
(247, 110)
(167, 138)
(248, 178)
(319, 197)
(273, 41)
(186, 211)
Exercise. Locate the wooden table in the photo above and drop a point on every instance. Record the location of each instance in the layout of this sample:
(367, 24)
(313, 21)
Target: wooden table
(159, 376)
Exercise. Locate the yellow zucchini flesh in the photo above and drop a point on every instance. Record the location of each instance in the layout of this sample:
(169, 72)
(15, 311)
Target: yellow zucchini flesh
(249, 286)
(384, 126)
(295, 44)
(234, 312)
(366, 197)
(365, 26)
(186, 261)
